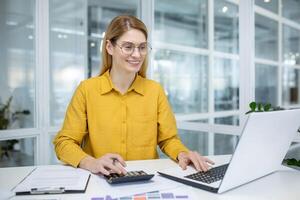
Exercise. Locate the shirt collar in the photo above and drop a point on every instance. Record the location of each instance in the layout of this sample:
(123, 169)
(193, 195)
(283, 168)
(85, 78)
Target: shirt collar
(107, 85)
(138, 85)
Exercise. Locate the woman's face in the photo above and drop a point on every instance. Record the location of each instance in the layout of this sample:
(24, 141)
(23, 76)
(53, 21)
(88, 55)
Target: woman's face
(128, 53)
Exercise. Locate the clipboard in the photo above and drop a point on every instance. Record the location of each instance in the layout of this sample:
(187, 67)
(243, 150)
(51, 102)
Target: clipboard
(55, 179)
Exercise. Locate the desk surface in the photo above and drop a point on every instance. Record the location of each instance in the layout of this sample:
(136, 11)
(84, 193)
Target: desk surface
(283, 184)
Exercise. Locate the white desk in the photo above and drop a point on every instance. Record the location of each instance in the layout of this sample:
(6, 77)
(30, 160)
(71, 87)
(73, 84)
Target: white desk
(284, 184)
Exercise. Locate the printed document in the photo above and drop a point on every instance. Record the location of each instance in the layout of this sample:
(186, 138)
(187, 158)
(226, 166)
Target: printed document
(51, 177)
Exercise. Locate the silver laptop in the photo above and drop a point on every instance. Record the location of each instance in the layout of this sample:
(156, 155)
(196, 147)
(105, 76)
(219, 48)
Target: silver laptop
(265, 139)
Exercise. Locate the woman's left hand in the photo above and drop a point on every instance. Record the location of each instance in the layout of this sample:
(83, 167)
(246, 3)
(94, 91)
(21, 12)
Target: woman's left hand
(201, 163)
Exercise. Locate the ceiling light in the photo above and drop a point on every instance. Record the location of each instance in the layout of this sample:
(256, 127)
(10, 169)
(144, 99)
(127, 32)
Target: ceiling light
(11, 23)
(224, 9)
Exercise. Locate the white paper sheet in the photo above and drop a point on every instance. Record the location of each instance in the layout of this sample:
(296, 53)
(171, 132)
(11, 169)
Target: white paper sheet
(44, 177)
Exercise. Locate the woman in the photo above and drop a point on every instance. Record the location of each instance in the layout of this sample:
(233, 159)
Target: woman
(120, 115)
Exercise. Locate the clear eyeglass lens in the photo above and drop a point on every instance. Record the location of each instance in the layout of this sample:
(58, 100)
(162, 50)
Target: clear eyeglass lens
(128, 48)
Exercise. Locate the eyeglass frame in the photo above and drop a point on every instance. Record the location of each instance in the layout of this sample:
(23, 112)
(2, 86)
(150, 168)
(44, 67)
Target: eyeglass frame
(149, 48)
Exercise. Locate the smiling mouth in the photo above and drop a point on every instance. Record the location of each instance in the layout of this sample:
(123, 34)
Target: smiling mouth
(133, 62)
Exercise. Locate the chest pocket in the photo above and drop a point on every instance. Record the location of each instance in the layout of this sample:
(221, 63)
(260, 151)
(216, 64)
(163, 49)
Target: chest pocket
(143, 131)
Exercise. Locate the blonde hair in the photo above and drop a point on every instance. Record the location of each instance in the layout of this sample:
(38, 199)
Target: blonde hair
(117, 27)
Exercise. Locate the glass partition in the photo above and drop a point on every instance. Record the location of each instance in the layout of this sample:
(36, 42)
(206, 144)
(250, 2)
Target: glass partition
(184, 76)
(67, 53)
(270, 5)
(17, 64)
(193, 140)
(228, 120)
(291, 46)
(181, 22)
(291, 86)
(226, 84)
(266, 84)
(266, 38)
(225, 144)
(226, 19)
(290, 10)
(17, 152)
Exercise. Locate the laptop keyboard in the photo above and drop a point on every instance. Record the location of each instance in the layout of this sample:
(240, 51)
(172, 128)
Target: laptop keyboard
(212, 175)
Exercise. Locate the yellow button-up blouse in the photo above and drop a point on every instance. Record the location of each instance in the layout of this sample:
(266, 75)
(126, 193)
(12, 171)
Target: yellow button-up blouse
(101, 120)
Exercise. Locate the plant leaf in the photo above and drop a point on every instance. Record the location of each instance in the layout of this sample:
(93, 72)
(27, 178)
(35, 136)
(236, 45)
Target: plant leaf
(252, 105)
(259, 107)
(267, 107)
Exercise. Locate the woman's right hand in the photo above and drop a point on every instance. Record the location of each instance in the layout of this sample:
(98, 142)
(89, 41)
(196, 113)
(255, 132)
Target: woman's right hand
(109, 163)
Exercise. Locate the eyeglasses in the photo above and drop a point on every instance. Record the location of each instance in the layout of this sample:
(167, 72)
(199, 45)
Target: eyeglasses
(128, 48)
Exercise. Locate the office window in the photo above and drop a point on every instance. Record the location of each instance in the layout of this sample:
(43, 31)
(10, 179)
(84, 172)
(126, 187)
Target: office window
(185, 79)
(291, 46)
(266, 84)
(194, 140)
(266, 38)
(17, 152)
(67, 53)
(226, 40)
(181, 22)
(291, 59)
(266, 55)
(198, 87)
(228, 120)
(270, 5)
(291, 86)
(290, 10)
(225, 144)
(226, 84)
(226, 21)
(276, 76)
(17, 64)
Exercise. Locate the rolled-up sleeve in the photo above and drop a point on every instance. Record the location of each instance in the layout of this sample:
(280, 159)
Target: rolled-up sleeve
(168, 139)
(67, 142)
